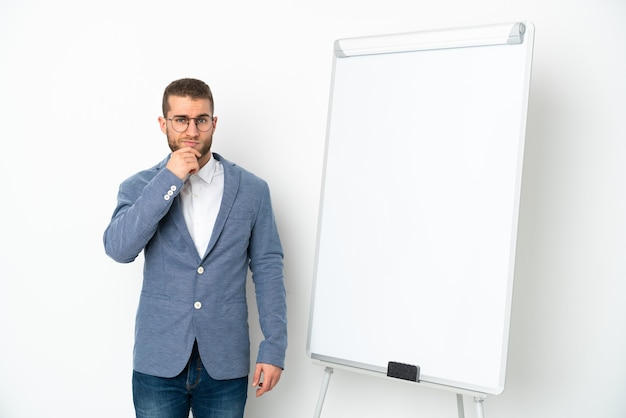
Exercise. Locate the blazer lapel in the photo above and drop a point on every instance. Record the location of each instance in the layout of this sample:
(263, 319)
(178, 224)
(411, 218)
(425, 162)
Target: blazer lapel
(231, 186)
(176, 212)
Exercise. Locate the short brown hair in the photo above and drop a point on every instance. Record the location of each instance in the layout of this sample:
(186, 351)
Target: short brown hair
(186, 87)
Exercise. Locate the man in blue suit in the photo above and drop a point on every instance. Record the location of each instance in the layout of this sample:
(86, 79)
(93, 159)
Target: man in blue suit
(202, 222)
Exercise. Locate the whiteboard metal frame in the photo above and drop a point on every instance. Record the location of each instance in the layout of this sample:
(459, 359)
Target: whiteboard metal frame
(485, 35)
(329, 369)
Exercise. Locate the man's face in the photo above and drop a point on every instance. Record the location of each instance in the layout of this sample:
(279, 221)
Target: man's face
(191, 109)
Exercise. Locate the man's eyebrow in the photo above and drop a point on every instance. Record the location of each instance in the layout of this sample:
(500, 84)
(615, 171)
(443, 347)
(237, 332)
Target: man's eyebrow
(188, 117)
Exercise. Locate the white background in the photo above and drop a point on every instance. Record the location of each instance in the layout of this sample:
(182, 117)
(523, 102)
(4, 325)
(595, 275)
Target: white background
(80, 91)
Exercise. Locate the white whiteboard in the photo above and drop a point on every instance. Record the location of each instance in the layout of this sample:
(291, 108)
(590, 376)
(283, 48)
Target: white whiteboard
(418, 216)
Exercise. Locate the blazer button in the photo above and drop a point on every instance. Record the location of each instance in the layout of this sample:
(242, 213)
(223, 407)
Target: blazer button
(200, 270)
(197, 305)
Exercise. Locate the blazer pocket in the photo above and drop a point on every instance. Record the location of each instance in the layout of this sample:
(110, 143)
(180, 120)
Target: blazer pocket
(241, 214)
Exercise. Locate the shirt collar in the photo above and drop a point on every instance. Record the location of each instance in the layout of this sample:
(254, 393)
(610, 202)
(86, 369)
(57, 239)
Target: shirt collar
(207, 172)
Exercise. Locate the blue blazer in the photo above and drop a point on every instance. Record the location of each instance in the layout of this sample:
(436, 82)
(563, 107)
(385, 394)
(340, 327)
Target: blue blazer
(185, 297)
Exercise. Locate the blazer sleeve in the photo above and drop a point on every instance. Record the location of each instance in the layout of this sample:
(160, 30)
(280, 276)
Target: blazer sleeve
(266, 265)
(142, 201)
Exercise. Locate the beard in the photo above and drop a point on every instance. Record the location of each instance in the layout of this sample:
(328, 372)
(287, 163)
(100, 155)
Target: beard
(174, 143)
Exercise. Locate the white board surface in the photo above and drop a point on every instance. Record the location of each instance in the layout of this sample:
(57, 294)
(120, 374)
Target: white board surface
(418, 216)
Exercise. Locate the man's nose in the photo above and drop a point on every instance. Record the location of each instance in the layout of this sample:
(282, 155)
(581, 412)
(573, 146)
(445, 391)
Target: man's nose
(192, 127)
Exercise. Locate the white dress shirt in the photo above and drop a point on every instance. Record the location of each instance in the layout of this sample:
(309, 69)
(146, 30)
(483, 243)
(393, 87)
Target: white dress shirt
(201, 197)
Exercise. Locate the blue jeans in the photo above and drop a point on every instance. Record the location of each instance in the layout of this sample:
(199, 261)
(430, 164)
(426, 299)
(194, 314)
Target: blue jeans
(193, 389)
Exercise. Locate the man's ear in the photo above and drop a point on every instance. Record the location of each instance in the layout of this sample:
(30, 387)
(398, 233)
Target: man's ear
(163, 124)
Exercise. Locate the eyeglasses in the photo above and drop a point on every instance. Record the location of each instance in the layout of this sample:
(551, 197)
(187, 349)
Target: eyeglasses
(180, 123)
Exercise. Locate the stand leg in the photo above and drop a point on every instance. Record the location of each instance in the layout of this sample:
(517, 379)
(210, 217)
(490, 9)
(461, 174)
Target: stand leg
(479, 407)
(459, 404)
(328, 371)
